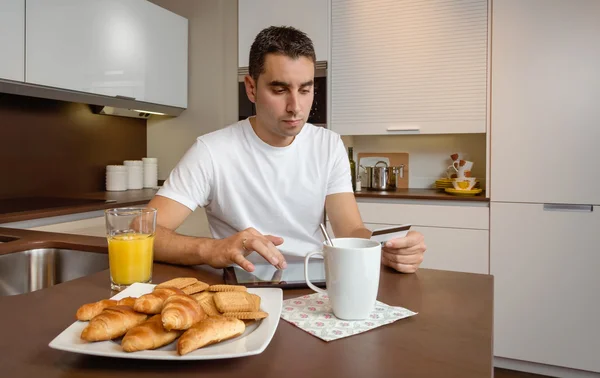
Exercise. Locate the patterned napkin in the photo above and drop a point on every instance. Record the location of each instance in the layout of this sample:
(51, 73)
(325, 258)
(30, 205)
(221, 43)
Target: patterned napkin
(313, 314)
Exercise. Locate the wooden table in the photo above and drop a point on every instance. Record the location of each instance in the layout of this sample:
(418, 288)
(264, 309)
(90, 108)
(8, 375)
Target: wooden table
(450, 337)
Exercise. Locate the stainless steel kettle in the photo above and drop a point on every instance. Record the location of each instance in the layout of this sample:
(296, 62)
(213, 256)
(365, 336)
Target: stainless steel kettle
(377, 176)
(383, 177)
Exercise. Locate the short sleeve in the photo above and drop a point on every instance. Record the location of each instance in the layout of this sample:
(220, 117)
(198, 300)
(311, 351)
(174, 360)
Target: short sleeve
(340, 180)
(190, 182)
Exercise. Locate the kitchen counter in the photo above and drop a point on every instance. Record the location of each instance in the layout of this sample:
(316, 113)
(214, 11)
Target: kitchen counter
(115, 199)
(15, 240)
(139, 197)
(450, 337)
(418, 194)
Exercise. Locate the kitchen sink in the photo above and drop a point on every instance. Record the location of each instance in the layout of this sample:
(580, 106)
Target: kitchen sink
(35, 269)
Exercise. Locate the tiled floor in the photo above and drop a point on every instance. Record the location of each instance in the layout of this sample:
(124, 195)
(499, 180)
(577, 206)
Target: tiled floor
(503, 373)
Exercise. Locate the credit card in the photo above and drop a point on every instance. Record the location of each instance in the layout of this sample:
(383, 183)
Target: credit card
(382, 235)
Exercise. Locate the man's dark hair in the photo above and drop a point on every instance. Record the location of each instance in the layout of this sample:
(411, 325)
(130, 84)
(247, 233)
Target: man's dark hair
(284, 40)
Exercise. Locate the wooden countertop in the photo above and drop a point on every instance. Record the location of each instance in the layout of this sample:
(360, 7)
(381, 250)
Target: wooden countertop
(117, 199)
(418, 194)
(450, 337)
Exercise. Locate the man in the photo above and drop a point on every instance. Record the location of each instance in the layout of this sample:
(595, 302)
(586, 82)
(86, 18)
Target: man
(265, 181)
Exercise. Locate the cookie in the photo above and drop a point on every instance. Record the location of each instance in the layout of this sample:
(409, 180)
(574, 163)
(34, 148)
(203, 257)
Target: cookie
(196, 287)
(249, 315)
(179, 282)
(234, 301)
(219, 288)
(256, 299)
(200, 296)
(209, 307)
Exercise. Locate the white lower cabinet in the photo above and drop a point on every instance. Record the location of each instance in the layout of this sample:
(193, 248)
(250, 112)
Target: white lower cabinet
(457, 237)
(459, 250)
(87, 227)
(547, 288)
(455, 249)
(196, 224)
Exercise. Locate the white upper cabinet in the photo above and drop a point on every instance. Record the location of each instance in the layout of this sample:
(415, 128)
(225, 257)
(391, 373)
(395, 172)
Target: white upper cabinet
(409, 66)
(12, 39)
(166, 56)
(309, 16)
(545, 118)
(116, 48)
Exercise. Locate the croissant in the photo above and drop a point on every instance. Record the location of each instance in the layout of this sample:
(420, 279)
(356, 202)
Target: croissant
(209, 331)
(152, 303)
(149, 335)
(89, 310)
(111, 323)
(127, 301)
(181, 311)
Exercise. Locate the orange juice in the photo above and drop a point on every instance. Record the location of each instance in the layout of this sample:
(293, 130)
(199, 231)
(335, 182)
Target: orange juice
(130, 258)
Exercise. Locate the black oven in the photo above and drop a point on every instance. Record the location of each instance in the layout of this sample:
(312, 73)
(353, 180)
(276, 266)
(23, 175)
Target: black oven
(318, 111)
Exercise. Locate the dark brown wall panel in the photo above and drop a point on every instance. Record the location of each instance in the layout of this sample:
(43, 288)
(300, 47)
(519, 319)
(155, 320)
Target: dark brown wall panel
(54, 147)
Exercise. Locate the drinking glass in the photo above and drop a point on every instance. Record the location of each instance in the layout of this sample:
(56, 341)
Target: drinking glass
(130, 232)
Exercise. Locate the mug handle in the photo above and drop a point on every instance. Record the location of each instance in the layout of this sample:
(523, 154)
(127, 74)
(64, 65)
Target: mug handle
(313, 287)
(451, 166)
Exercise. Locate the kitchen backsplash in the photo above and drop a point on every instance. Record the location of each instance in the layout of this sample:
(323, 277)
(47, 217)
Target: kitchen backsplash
(54, 147)
(429, 155)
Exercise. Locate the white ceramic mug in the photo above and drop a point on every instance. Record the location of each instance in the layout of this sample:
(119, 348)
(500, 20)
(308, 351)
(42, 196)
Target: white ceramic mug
(352, 269)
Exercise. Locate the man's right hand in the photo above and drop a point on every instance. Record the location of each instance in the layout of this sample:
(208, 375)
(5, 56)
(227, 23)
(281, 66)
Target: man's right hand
(236, 247)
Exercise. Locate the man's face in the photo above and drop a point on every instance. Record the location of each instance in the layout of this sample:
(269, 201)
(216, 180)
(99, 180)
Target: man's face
(283, 96)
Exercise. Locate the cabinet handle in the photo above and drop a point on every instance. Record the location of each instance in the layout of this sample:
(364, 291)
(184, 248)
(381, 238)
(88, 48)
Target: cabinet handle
(404, 128)
(125, 97)
(567, 207)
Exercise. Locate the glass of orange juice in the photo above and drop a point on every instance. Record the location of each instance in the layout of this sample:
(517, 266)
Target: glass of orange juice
(130, 232)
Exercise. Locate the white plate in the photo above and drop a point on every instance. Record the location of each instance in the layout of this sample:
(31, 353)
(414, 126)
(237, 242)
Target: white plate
(253, 341)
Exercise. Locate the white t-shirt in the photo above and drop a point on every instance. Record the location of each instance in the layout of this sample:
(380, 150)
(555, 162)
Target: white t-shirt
(244, 182)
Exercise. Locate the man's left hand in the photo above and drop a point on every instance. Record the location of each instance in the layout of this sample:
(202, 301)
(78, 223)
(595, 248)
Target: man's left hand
(404, 254)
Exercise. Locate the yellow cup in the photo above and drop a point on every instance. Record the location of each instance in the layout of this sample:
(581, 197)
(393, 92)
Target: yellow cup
(464, 183)
(130, 233)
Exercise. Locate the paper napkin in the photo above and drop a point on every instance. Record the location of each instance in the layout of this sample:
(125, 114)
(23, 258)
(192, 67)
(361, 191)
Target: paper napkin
(313, 314)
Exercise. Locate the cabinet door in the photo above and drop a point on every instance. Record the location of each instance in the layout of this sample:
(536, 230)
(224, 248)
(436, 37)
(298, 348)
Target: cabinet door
(409, 67)
(310, 16)
(454, 249)
(12, 39)
(545, 88)
(545, 266)
(116, 48)
(166, 56)
(89, 46)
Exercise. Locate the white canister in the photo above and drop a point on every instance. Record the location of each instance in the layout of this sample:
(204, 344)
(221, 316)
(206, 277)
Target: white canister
(116, 178)
(150, 172)
(135, 171)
